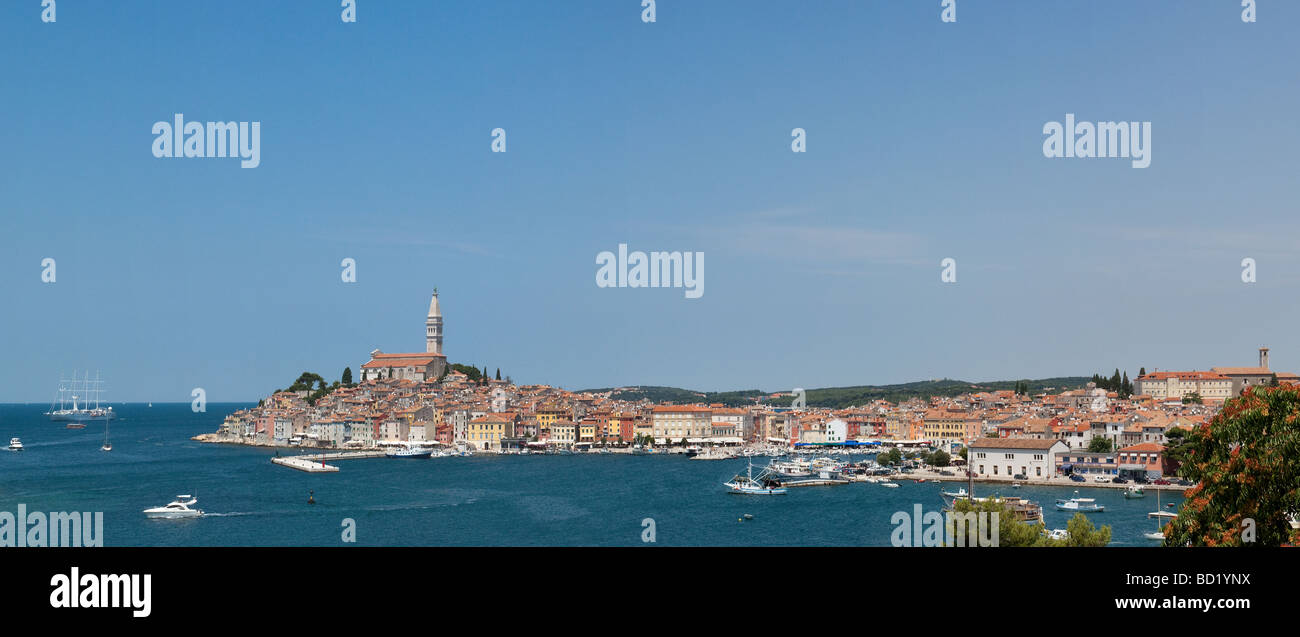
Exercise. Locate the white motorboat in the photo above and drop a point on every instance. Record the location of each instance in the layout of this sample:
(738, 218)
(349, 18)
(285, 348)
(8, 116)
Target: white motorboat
(892, 485)
(178, 508)
(1059, 534)
(15, 444)
(1080, 505)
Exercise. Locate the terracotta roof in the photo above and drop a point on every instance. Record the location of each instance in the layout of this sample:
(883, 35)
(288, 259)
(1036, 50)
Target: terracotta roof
(1014, 443)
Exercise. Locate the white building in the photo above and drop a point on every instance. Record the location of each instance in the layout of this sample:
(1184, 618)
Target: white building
(836, 431)
(1009, 457)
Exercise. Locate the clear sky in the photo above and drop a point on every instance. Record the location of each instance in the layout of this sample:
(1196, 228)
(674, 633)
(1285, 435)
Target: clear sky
(924, 142)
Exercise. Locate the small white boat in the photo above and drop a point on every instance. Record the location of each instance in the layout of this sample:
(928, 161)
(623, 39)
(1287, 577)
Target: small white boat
(959, 494)
(892, 485)
(1015, 485)
(1059, 534)
(15, 444)
(1081, 505)
(1134, 491)
(177, 509)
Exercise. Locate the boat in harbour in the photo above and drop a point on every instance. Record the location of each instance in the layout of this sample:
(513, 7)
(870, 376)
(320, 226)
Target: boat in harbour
(73, 412)
(1135, 491)
(1079, 505)
(409, 452)
(765, 483)
(15, 444)
(1159, 533)
(176, 509)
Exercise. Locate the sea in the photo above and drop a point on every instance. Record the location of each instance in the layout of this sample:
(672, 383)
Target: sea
(586, 499)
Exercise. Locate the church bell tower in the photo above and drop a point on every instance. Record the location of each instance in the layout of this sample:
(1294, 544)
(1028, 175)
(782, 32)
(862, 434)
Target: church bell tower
(433, 327)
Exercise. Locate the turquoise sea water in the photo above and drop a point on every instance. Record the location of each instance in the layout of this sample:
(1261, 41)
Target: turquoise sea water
(577, 500)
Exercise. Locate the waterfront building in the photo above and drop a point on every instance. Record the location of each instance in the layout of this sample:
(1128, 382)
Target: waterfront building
(1008, 457)
(1145, 460)
(487, 431)
(1087, 463)
(563, 433)
(675, 422)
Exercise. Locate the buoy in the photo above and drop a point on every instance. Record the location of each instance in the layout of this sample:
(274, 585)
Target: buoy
(310, 497)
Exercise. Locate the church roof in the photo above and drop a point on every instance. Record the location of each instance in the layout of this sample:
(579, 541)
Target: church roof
(401, 360)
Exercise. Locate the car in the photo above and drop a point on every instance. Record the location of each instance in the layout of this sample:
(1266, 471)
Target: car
(1160, 481)
(1100, 478)
(1140, 480)
(1077, 478)
(1119, 480)
(1184, 482)
(946, 473)
(1020, 476)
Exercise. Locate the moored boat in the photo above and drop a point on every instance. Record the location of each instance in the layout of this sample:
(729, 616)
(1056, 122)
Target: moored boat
(410, 452)
(765, 484)
(1079, 505)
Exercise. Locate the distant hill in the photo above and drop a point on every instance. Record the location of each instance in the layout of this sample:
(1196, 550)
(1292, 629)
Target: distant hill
(839, 397)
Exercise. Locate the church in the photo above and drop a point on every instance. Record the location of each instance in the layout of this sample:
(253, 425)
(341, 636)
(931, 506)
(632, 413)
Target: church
(418, 367)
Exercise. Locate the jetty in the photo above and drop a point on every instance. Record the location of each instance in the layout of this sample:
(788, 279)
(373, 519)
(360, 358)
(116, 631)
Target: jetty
(302, 464)
(814, 482)
(315, 463)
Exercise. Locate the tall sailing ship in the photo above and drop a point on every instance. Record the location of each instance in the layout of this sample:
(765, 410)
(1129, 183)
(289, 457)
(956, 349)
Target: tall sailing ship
(78, 401)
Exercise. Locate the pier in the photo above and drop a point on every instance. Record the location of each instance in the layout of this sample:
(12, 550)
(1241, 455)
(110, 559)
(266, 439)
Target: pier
(315, 463)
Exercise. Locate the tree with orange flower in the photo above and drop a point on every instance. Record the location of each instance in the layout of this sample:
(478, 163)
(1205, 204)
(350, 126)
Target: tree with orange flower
(1247, 462)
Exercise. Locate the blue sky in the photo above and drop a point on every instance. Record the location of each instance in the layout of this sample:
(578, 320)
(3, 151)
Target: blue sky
(822, 268)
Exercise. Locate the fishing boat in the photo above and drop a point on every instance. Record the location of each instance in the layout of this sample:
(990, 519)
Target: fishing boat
(71, 391)
(1079, 505)
(15, 444)
(765, 484)
(1134, 491)
(959, 494)
(177, 509)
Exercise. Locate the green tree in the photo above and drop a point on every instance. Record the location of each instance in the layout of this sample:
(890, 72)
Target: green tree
(1192, 398)
(498, 373)
(1083, 533)
(1100, 444)
(1244, 460)
(939, 458)
(347, 376)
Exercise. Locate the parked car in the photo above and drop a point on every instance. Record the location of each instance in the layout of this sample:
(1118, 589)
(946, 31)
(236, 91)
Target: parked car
(1184, 482)
(1020, 476)
(1140, 480)
(1119, 480)
(1161, 481)
(1077, 478)
(1100, 478)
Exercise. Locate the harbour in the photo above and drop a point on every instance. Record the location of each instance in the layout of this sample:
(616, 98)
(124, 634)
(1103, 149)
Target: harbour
(580, 499)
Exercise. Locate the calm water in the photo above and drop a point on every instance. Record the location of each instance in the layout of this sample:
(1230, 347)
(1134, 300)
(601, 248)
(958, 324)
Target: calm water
(595, 499)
